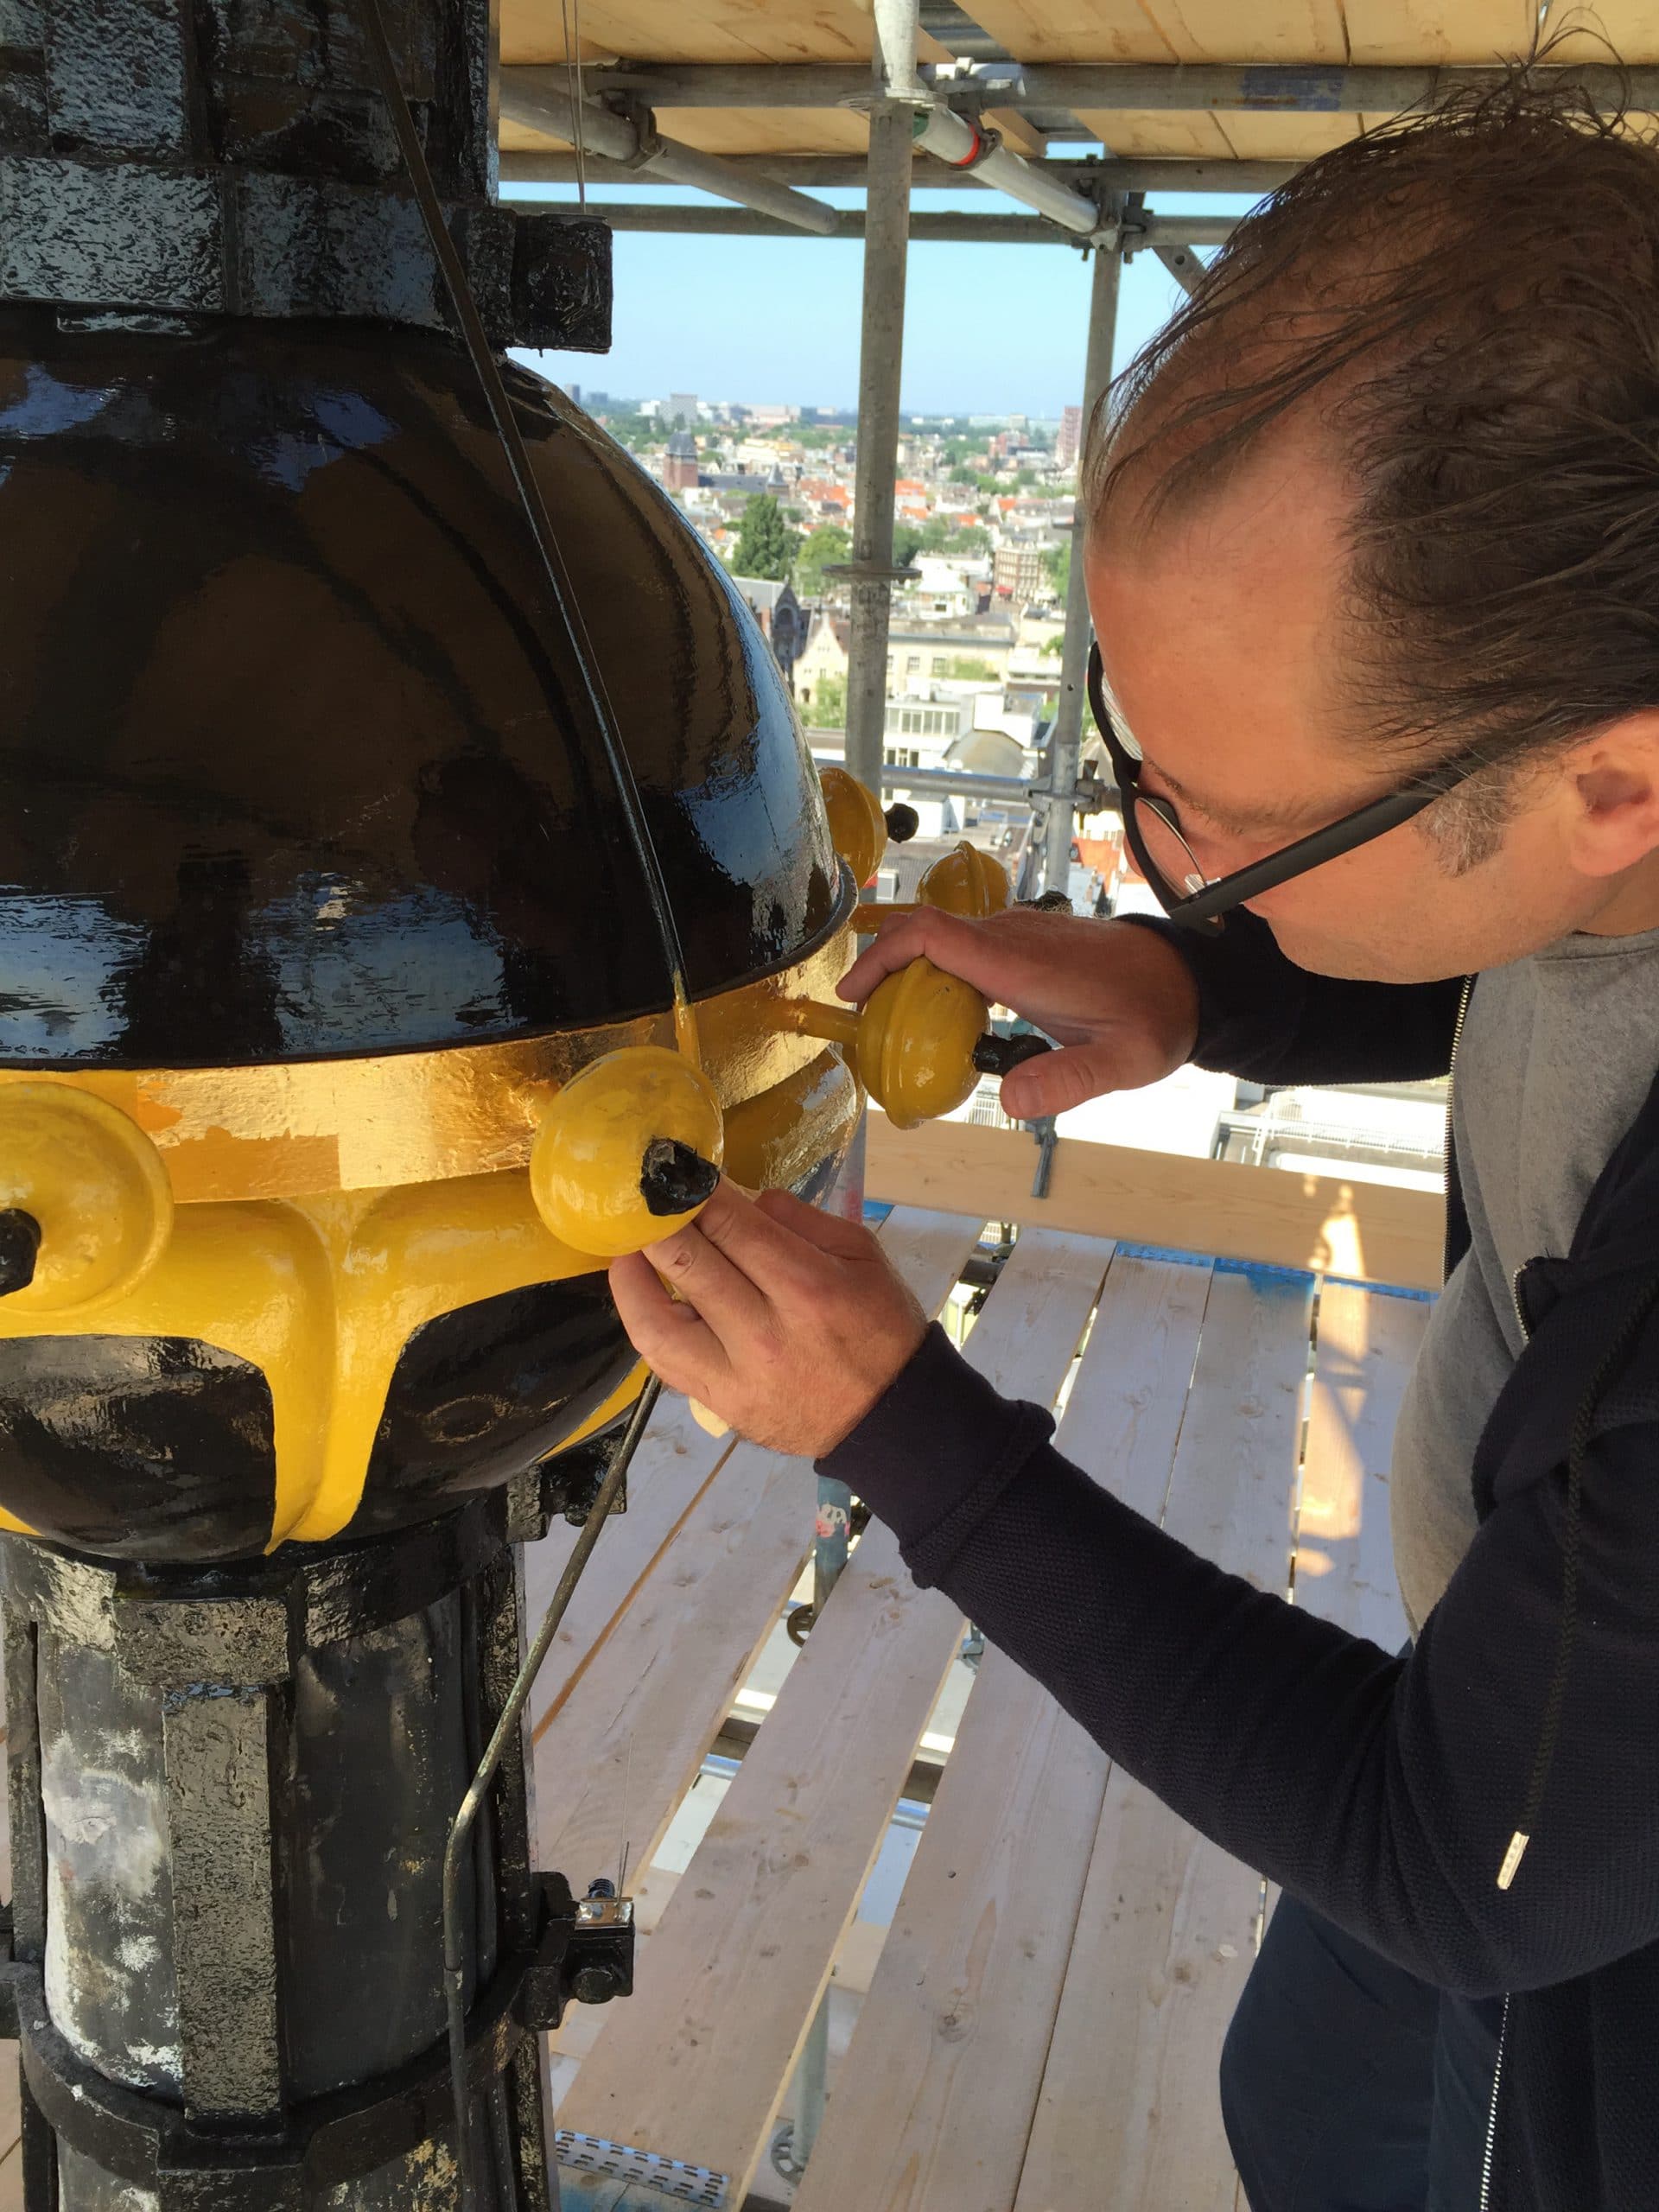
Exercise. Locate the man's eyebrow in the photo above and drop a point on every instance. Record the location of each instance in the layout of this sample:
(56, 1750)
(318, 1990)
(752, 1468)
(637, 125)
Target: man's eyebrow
(1254, 818)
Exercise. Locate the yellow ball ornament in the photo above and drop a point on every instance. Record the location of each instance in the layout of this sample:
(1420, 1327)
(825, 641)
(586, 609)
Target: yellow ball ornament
(858, 828)
(628, 1151)
(916, 1040)
(85, 1207)
(966, 883)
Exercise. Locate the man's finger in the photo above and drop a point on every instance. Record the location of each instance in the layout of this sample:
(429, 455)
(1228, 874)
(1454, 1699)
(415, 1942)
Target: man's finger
(671, 1337)
(698, 1271)
(827, 1232)
(770, 1256)
(905, 940)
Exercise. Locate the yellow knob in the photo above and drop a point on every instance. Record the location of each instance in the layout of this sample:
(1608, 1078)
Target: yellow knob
(628, 1151)
(84, 1196)
(967, 882)
(916, 1040)
(858, 829)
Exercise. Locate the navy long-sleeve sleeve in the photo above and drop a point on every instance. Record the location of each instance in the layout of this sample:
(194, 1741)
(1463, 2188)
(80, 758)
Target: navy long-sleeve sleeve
(1382, 1789)
(1264, 1018)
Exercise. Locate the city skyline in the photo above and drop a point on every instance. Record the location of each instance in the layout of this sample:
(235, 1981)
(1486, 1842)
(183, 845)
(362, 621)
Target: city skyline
(675, 329)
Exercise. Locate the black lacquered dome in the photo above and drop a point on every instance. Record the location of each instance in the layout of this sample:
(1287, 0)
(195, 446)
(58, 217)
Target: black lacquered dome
(294, 758)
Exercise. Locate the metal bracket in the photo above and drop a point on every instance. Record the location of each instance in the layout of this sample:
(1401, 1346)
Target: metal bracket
(585, 1952)
(641, 118)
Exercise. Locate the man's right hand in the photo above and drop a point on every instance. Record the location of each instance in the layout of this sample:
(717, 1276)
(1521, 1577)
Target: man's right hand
(1119, 1000)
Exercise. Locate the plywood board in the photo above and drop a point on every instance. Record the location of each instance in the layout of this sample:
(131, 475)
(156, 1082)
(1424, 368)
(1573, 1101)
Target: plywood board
(1631, 27)
(1127, 2120)
(1367, 1343)
(1167, 30)
(1368, 1230)
(690, 30)
(694, 2066)
(1436, 31)
(1159, 131)
(1256, 137)
(931, 2107)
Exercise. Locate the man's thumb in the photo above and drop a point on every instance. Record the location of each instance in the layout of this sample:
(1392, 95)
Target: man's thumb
(1054, 1081)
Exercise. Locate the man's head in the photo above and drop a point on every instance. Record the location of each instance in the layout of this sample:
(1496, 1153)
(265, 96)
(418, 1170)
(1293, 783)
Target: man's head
(1386, 492)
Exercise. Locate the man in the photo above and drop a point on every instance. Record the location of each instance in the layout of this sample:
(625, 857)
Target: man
(1373, 556)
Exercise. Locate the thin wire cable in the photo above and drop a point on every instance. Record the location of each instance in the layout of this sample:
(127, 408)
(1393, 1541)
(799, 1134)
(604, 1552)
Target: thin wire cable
(573, 72)
(454, 1950)
(530, 495)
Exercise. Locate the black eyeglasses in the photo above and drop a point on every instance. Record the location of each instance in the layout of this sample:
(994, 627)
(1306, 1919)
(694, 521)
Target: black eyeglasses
(1178, 883)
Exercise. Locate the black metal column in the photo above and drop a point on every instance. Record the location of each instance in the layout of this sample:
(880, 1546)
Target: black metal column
(231, 1793)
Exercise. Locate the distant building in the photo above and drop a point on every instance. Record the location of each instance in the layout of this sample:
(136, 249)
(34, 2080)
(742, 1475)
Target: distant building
(919, 653)
(680, 463)
(1069, 443)
(746, 483)
(1018, 571)
(682, 408)
(781, 617)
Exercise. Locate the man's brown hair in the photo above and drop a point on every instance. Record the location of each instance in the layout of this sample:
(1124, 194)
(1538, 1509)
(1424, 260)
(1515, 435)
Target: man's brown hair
(1466, 304)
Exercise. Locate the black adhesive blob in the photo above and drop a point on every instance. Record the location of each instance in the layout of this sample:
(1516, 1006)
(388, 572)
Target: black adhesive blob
(20, 1244)
(676, 1177)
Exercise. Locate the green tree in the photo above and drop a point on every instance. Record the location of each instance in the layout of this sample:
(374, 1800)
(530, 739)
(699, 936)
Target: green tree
(765, 543)
(1025, 477)
(821, 549)
(1057, 564)
(828, 707)
(906, 544)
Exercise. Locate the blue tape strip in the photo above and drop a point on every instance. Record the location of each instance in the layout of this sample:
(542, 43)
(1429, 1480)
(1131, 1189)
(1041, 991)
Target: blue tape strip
(1268, 1271)
(1296, 91)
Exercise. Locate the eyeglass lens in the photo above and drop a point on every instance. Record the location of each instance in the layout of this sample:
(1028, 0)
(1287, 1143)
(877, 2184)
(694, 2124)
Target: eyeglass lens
(1167, 848)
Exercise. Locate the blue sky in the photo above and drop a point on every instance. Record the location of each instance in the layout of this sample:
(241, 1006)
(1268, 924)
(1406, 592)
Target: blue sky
(988, 329)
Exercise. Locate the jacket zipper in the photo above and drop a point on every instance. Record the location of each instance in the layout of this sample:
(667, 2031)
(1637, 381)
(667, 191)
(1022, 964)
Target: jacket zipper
(1452, 1066)
(1515, 1301)
(1489, 2151)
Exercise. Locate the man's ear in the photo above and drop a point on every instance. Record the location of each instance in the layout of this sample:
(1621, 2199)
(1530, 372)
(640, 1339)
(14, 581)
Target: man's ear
(1612, 789)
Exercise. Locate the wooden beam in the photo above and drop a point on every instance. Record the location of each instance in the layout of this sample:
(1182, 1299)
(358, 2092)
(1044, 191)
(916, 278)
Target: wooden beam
(1369, 1232)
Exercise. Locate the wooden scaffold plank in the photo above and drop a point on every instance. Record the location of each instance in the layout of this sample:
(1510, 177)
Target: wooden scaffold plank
(931, 2107)
(617, 1754)
(674, 1463)
(1366, 1343)
(1127, 2120)
(695, 2068)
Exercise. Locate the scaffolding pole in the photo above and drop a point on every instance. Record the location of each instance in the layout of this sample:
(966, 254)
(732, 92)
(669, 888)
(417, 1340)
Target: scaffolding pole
(1064, 743)
(894, 101)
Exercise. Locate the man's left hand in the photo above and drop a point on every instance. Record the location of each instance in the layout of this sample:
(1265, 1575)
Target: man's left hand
(787, 1322)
